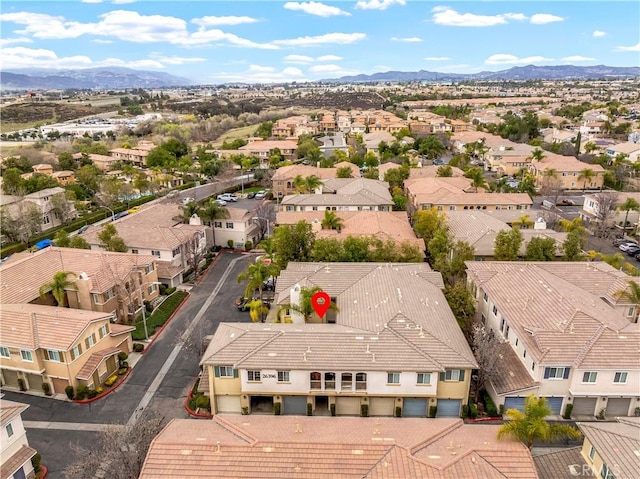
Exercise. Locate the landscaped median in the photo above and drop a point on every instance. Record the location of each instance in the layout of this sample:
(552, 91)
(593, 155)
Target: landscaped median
(160, 316)
(197, 404)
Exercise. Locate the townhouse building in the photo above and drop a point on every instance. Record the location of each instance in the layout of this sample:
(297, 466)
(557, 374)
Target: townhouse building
(392, 346)
(605, 206)
(113, 283)
(58, 347)
(241, 226)
(629, 149)
(102, 162)
(264, 149)
(15, 452)
(568, 170)
(609, 449)
(136, 156)
(567, 334)
(283, 180)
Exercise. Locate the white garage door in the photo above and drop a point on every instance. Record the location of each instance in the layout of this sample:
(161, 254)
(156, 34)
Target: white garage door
(584, 406)
(381, 406)
(414, 407)
(348, 406)
(228, 404)
(618, 407)
(448, 408)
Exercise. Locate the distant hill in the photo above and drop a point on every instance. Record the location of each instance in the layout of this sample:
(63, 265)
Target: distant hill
(92, 78)
(529, 72)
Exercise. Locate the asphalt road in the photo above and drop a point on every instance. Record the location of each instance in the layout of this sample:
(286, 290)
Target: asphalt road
(168, 399)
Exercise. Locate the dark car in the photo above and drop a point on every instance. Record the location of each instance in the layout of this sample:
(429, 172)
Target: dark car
(243, 303)
(251, 194)
(83, 229)
(270, 284)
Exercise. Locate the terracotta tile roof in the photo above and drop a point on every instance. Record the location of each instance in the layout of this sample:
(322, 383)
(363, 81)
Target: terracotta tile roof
(557, 464)
(291, 171)
(117, 329)
(34, 326)
(432, 172)
(13, 463)
(564, 163)
(32, 270)
(617, 443)
(167, 270)
(558, 321)
(513, 375)
(94, 361)
(298, 446)
(268, 145)
(362, 198)
(9, 410)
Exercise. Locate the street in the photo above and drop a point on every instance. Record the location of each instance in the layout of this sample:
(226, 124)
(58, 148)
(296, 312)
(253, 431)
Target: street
(149, 389)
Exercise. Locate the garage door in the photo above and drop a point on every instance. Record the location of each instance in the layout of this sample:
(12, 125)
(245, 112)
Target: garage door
(584, 406)
(514, 402)
(59, 385)
(381, 406)
(348, 406)
(618, 407)
(555, 404)
(414, 407)
(296, 405)
(10, 378)
(448, 408)
(228, 404)
(35, 382)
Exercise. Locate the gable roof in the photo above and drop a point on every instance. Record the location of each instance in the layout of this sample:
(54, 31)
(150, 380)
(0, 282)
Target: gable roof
(9, 410)
(290, 172)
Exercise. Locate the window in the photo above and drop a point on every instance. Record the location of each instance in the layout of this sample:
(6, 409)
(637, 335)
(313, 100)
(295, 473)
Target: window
(424, 378)
(361, 381)
(393, 378)
(316, 380)
(175, 252)
(506, 332)
(329, 380)
(26, 356)
(524, 353)
(52, 355)
(283, 376)
(253, 376)
(9, 429)
(452, 375)
(452, 208)
(229, 225)
(485, 296)
(90, 341)
(347, 381)
(589, 377)
(620, 377)
(592, 452)
(134, 251)
(556, 373)
(533, 366)
(502, 321)
(103, 331)
(632, 310)
(76, 352)
(148, 268)
(155, 252)
(4, 352)
(484, 319)
(226, 371)
(605, 473)
(517, 341)
(46, 220)
(495, 310)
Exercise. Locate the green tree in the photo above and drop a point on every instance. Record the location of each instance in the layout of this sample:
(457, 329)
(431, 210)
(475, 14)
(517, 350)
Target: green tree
(89, 177)
(573, 245)
(58, 287)
(331, 221)
(524, 222)
(531, 425)
(396, 176)
(305, 308)
(344, 172)
(11, 181)
(444, 171)
(630, 204)
(78, 242)
(293, 243)
(62, 239)
(462, 304)
(431, 147)
(541, 249)
(110, 240)
(450, 257)
(265, 130)
(211, 211)
(586, 174)
(427, 222)
(328, 250)
(476, 175)
(632, 294)
(254, 277)
(507, 245)
(308, 184)
(66, 161)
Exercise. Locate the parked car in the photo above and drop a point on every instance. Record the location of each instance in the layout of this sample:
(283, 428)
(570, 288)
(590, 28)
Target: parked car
(83, 229)
(122, 214)
(187, 200)
(637, 256)
(251, 194)
(567, 202)
(135, 209)
(227, 197)
(220, 202)
(633, 250)
(438, 162)
(243, 303)
(620, 240)
(260, 195)
(626, 246)
(269, 284)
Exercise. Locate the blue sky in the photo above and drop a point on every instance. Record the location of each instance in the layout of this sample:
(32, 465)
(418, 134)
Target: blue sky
(275, 41)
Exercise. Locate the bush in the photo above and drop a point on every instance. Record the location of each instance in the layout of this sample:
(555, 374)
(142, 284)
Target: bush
(99, 389)
(465, 411)
(92, 393)
(138, 347)
(489, 405)
(148, 306)
(245, 411)
(432, 411)
(47, 389)
(277, 408)
(398, 411)
(124, 365)
(203, 402)
(160, 315)
(364, 410)
(171, 290)
(248, 245)
(192, 403)
(473, 410)
(122, 371)
(230, 244)
(122, 356)
(163, 289)
(601, 414)
(332, 408)
(82, 392)
(309, 409)
(501, 410)
(35, 461)
(111, 380)
(568, 409)
(22, 385)
(69, 391)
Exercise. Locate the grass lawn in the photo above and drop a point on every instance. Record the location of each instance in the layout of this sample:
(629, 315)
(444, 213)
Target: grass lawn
(243, 132)
(159, 316)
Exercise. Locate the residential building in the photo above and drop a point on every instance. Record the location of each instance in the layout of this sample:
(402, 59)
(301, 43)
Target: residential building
(241, 226)
(508, 158)
(58, 347)
(568, 170)
(343, 194)
(560, 136)
(136, 156)
(372, 140)
(283, 180)
(114, 283)
(332, 143)
(264, 149)
(630, 149)
(606, 205)
(159, 231)
(392, 342)
(64, 177)
(15, 452)
(567, 335)
(609, 448)
(102, 162)
(349, 448)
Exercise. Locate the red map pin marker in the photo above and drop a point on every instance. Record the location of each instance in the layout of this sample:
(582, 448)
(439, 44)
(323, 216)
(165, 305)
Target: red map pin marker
(320, 302)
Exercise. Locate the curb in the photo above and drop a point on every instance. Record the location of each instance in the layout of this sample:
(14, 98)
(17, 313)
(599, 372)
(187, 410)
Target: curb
(105, 393)
(191, 412)
(166, 323)
(45, 471)
(483, 419)
(203, 273)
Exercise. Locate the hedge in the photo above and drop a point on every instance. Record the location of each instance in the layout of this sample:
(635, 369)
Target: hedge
(160, 316)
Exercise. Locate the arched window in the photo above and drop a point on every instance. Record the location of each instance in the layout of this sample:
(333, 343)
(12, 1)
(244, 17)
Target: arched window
(361, 381)
(347, 382)
(316, 380)
(329, 380)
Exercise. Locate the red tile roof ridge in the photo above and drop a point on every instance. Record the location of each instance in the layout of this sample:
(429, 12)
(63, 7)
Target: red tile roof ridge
(236, 430)
(427, 442)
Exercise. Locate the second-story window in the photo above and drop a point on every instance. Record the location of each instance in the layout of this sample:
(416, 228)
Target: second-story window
(9, 429)
(620, 377)
(26, 355)
(76, 351)
(452, 375)
(253, 376)
(90, 340)
(217, 224)
(589, 377)
(283, 376)
(155, 252)
(556, 373)
(393, 378)
(52, 355)
(424, 378)
(4, 352)
(103, 331)
(229, 225)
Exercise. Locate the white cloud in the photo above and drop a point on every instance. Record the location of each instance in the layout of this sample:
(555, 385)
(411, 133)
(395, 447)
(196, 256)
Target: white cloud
(122, 2)
(327, 38)
(632, 48)
(407, 39)
(506, 59)
(102, 41)
(91, 1)
(263, 74)
(218, 36)
(437, 59)
(9, 41)
(449, 17)
(218, 21)
(542, 18)
(177, 60)
(577, 58)
(316, 8)
(326, 68)
(329, 58)
(378, 4)
(599, 33)
(301, 59)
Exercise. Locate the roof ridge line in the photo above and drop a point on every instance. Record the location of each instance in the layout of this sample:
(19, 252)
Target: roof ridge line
(384, 456)
(589, 344)
(259, 348)
(245, 436)
(447, 430)
(411, 344)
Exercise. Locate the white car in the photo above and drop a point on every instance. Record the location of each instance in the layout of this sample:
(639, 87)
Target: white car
(260, 195)
(220, 202)
(187, 200)
(626, 246)
(227, 197)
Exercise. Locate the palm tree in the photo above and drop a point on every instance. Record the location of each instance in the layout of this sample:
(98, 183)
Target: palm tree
(537, 155)
(331, 221)
(586, 175)
(255, 276)
(308, 184)
(531, 425)
(628, 205)
(590, 147)
(211, 211)
(631, 294)
(477, 178)
(188, 211)
(257, 310)
(58, 286)
(523, 222)
(305, 308)
(573, 225)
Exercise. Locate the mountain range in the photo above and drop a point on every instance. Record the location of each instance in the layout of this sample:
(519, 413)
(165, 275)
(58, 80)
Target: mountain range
(119, 78)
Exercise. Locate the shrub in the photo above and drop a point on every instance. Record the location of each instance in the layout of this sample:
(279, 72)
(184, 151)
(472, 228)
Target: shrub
(489, 405)
(122, 356)
(138, 347)
(332, 408)
(465, 411)
(22, 385)
(277, 408)
(111, 380)
(501, 410)
(230, 244)
(69, 391)
(92, 393)
(163, 289)
(245, 411)
(602, 413)
(46, 388)
(568, 409)
(171, 290)
(124, 364)
(35, 461)
(148, 306)
(364, 410)
(473, 410)
(398, 411)
(191, 404)
(82, 392)
(248, 245)
(309, 409)
(432, 411)
(99, 389)
(122, 371)
(203, 402)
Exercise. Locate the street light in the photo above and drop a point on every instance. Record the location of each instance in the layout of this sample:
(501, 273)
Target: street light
(144, 310)
(113, 215)
(267, 221)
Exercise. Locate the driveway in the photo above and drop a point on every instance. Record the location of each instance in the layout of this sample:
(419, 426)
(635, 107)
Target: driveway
(160, 380)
